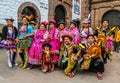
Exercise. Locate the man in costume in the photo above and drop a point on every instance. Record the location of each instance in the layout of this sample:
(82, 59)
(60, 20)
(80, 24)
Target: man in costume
(106, 31)
(69, 54)
(92, 60)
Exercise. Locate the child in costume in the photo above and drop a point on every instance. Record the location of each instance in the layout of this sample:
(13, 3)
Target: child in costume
(46, 58)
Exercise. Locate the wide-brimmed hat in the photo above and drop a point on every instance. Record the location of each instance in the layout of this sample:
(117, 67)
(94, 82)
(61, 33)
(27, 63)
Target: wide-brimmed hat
(27, 17)
(67, 35)
(9, 19)
(86, 21)
(46, 45)
(32, 22)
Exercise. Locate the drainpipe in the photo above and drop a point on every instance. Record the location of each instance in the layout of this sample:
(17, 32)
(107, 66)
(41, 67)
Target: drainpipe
(89, 9)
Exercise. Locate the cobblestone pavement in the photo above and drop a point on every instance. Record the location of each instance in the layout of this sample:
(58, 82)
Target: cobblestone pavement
(17, 75)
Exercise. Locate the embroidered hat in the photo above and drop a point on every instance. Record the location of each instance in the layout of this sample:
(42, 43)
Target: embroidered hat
(9, 19)
(85, 21)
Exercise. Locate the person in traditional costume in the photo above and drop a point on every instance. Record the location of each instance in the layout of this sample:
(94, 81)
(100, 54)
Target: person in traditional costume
(33, 24)
(24, 41)
(61, 31)
(85, 31)
(9, 34)
(53, 40)
(74, 32)
(46, 58)
(40, 37)
(92, 60)
(106, 31)
(69, 54)
(116, 42)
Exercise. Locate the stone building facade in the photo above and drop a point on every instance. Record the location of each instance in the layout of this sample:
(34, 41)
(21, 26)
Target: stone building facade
(105, 9)
(60, 10)
(16, 8)
(85, 9)
(40, 9)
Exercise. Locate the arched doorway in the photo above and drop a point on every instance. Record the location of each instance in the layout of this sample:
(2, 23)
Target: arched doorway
(113, 16)
(28, 9)
(60, 13)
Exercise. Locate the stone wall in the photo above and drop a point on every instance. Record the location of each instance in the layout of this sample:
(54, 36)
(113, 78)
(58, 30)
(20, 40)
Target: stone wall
(67, 4)
(99, 9)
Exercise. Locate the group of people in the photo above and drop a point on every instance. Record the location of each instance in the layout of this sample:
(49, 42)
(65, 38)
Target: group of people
(71, 48)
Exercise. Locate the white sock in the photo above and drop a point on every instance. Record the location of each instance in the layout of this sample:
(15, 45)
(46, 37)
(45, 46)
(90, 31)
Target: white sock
(9, 58)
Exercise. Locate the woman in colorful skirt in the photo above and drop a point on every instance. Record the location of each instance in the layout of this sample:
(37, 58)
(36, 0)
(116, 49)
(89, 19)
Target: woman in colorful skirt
(9, 34)
(53, 41)
(40, 37)
(24, 41)
(74, 32)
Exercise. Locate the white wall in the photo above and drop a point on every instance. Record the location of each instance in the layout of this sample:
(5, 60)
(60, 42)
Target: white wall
(9, 8)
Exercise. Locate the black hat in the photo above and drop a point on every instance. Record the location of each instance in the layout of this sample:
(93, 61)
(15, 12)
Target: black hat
(74, 22)
(61, 22)
(46, 45)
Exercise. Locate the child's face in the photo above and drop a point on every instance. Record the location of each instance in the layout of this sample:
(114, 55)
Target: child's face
(46, 48)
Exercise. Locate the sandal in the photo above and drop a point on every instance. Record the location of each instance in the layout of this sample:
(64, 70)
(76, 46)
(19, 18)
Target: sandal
(99, 76)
